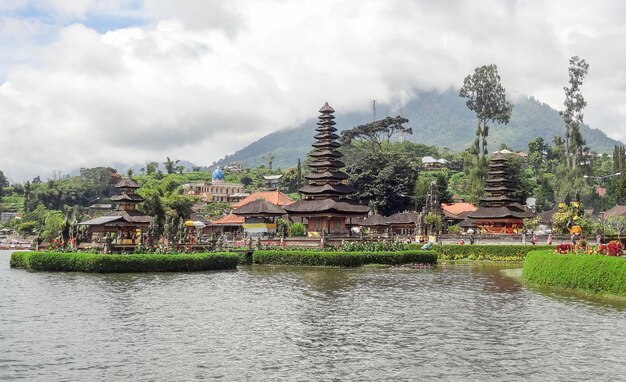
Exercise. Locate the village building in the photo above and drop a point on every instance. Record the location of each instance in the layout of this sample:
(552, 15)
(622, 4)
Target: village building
(324, 204)
(273, 182)
(430, 163)
(218, 190)
(499, 212)
(233, 167)
(126, 224)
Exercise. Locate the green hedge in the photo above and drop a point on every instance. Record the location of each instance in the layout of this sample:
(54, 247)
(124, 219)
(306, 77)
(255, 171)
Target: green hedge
(502, 252)
(89, 262)
(343, 259)
(594, 273)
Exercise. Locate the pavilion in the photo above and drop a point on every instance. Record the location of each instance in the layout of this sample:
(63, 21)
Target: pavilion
(260, 217)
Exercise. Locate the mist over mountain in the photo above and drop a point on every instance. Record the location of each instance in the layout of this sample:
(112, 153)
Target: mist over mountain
(438, 119)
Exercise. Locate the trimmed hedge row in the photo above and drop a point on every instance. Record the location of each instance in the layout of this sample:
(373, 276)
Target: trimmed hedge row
(343, 259)
(504, 252)
(594, 273)
(90, 262)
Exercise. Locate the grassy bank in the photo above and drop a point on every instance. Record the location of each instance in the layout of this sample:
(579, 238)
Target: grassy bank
(591, 273)
(89, 262)
(343, 259)
(503, 252)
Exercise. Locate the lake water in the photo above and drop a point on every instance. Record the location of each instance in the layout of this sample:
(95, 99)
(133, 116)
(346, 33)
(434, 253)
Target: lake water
(453, 322)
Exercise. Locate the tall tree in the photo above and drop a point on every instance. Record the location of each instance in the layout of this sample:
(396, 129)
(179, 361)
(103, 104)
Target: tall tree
(381, 180)
(376, 133)
(151, 167)
(486, 97)
(170, 165)
(299, 175)
(3, 183)
(573, 113)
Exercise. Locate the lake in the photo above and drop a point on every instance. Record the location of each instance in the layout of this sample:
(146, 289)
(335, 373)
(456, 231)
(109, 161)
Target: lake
(450, 322)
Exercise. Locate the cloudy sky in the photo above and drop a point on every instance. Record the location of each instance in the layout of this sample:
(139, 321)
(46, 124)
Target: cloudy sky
(93, 82)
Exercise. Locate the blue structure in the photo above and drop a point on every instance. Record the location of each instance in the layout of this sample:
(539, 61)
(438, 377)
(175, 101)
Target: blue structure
(218, 175)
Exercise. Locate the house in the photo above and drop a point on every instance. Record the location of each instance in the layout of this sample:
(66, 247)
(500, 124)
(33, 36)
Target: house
(430, 163)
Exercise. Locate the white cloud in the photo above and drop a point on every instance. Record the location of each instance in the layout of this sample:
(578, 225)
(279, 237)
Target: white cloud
(198, 80)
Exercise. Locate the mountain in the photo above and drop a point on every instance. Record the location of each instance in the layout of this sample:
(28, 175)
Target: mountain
(438, 118)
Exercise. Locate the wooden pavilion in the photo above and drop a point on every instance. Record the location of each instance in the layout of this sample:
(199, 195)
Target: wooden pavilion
(499, 212)
(377, 224)
(259, 217)
(125, 224)
(324, 204)
(404, 223)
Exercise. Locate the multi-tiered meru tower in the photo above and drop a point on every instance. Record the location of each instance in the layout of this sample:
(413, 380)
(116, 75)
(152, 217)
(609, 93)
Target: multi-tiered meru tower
(324, 202)
(499, 212)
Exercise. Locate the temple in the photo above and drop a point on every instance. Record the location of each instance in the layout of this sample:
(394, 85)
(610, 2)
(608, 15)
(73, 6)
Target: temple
(324, 202)
(125, 222)
(499, 212)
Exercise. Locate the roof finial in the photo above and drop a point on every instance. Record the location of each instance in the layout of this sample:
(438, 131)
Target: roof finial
(327, 109)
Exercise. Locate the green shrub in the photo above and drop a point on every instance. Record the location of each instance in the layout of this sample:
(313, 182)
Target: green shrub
(343, 259)
(485, 252)
(594, 273)
(90, 262)
(297, 230)
(373, 246)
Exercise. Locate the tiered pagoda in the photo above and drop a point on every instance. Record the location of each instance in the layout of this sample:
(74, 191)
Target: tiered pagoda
(324, 202)
(126, 222)
(499, 212)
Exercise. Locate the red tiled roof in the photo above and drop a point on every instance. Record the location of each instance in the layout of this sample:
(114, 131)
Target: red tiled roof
(274, 197)
(230, 219)
(458, 208)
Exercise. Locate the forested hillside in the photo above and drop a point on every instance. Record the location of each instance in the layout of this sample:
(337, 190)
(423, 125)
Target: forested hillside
(438, 119)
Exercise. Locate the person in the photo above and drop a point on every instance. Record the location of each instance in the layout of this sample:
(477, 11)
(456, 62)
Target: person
(471, 239)
(533, 240)
(573, 239)
(462, 242)
(549, 239)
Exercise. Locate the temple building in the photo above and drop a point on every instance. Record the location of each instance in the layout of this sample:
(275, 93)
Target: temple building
(126, 223)
(324, 204)
(260, 217)
(499, 212)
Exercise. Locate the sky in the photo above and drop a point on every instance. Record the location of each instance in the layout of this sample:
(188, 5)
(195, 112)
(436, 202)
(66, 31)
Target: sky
(87, 83)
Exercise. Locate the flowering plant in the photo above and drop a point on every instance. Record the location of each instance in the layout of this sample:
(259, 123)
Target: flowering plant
(564, 248)
(614, 248)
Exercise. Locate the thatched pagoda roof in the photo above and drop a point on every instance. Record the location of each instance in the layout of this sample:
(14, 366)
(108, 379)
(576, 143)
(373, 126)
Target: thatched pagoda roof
(133, 198)
(331, 189)
(328, 205)
(499, 212)
(259, 207)
(127, 183)
(327, 175)
(124, 217)
(403, 218)
(375, 220)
